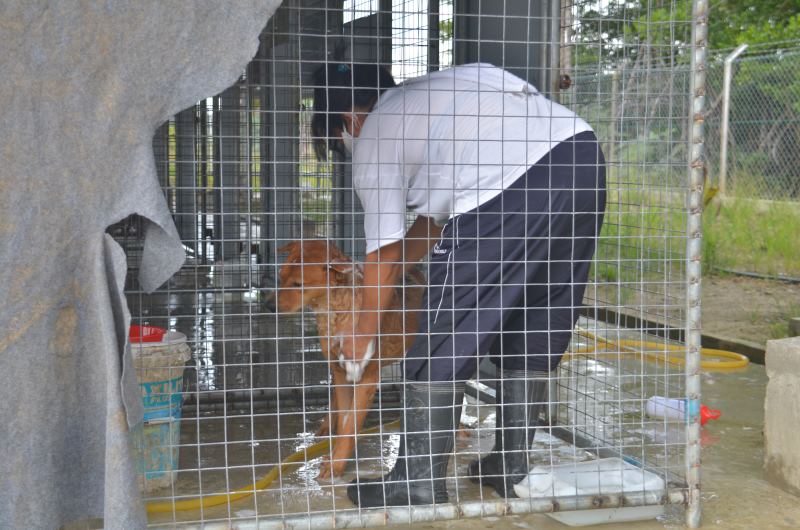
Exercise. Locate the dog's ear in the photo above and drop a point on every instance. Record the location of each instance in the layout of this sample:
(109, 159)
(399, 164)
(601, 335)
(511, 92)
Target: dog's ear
(342, 265)
(338, 260)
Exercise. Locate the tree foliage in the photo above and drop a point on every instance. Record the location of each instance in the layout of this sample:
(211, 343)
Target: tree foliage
(608, 32)
(733, 22)
(646, 43)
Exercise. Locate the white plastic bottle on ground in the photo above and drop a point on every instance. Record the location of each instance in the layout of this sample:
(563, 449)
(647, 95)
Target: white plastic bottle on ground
(675, 409)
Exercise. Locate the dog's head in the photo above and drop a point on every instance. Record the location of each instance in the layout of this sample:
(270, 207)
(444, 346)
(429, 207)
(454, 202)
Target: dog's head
(310, 269)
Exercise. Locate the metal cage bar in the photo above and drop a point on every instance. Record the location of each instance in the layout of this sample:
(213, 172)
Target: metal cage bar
(241, 176)
(694, 252)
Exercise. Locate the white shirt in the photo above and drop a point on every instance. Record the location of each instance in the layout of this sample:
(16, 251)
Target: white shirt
(442, 144)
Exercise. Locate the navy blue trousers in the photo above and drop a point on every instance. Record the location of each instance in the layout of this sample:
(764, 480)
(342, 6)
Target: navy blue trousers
(507, 279)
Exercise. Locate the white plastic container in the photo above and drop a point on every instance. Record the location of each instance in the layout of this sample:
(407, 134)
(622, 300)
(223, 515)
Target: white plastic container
(662, 407)
(675, 409)
(604, 476)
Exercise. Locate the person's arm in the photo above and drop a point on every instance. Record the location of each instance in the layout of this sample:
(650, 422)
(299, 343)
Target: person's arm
(383, 272)
(419, 239)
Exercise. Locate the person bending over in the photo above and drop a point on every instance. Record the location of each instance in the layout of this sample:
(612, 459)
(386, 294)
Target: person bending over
(507, 189)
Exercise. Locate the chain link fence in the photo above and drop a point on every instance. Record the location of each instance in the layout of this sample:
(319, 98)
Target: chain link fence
(643, 125)
(640, 118)
(764, 125)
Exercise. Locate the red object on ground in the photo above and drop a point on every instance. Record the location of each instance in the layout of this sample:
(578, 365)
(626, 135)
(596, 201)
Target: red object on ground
(140, 334)
(708, 414)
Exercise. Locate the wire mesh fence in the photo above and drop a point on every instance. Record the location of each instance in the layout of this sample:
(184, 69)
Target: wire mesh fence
(764, 125)
(266, 413)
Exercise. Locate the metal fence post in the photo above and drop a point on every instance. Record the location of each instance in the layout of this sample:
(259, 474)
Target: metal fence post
(726, 99)
(694, 250)
(612, 133)
(555, 48)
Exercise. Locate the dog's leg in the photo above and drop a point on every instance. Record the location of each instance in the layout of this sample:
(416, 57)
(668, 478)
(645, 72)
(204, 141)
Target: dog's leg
(340, 400)
(343, 399)
(351, 419)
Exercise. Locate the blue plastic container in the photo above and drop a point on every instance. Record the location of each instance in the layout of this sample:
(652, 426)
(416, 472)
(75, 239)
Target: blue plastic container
(159, 367)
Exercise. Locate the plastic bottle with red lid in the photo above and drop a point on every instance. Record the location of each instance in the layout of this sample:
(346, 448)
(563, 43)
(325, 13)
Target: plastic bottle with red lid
(675, 408)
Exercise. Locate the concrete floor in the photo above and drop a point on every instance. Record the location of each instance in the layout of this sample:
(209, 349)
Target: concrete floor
(735, 493)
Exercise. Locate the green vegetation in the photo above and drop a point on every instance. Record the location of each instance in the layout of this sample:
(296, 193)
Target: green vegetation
(753, 236)
(779, 322)
(645, 230)
(734, 22)
(643, 237)
(623, 27)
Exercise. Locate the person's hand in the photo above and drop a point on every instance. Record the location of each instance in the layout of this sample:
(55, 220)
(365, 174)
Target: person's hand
(355, 352)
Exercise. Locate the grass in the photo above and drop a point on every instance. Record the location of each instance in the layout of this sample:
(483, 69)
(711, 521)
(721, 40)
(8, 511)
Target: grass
(643, 231)
(641, 235)
(642, 247)
(779, 321)
(753, 236)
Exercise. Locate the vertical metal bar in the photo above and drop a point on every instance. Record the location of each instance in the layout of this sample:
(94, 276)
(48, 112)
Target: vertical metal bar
(612, 132)
(261, 72)
(216, 173)
(565, 51)
(693, 254)
(726, 99)
(186, 177)
(202, 161)
(555, 48)
(384, 32)
(433, 35)
(228, 178)
(541, 38)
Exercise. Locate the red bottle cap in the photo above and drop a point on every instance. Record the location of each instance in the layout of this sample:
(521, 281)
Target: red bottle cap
(708, 414)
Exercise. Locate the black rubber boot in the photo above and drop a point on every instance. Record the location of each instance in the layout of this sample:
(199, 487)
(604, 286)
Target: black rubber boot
(520, 399)
(419, 475)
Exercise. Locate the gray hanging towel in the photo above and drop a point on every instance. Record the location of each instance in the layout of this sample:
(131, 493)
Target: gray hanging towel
(83, 86)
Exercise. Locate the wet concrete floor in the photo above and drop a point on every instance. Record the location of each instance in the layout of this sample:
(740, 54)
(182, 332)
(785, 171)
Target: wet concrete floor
(225, 450)
(735, 493)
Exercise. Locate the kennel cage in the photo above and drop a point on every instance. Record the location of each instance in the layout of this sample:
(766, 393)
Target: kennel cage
(240, 176)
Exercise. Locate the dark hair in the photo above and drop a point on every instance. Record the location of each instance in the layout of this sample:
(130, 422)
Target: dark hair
(339, 88)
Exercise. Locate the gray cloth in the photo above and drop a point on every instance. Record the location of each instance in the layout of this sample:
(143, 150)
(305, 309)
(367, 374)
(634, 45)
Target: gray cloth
(84, 85)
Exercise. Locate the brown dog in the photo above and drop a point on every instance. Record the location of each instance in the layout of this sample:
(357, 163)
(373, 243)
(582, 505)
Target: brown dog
(317, 275)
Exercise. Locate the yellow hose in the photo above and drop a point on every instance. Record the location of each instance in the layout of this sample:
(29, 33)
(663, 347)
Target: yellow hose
(207, 501)
(732, 361)
(725, 360)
